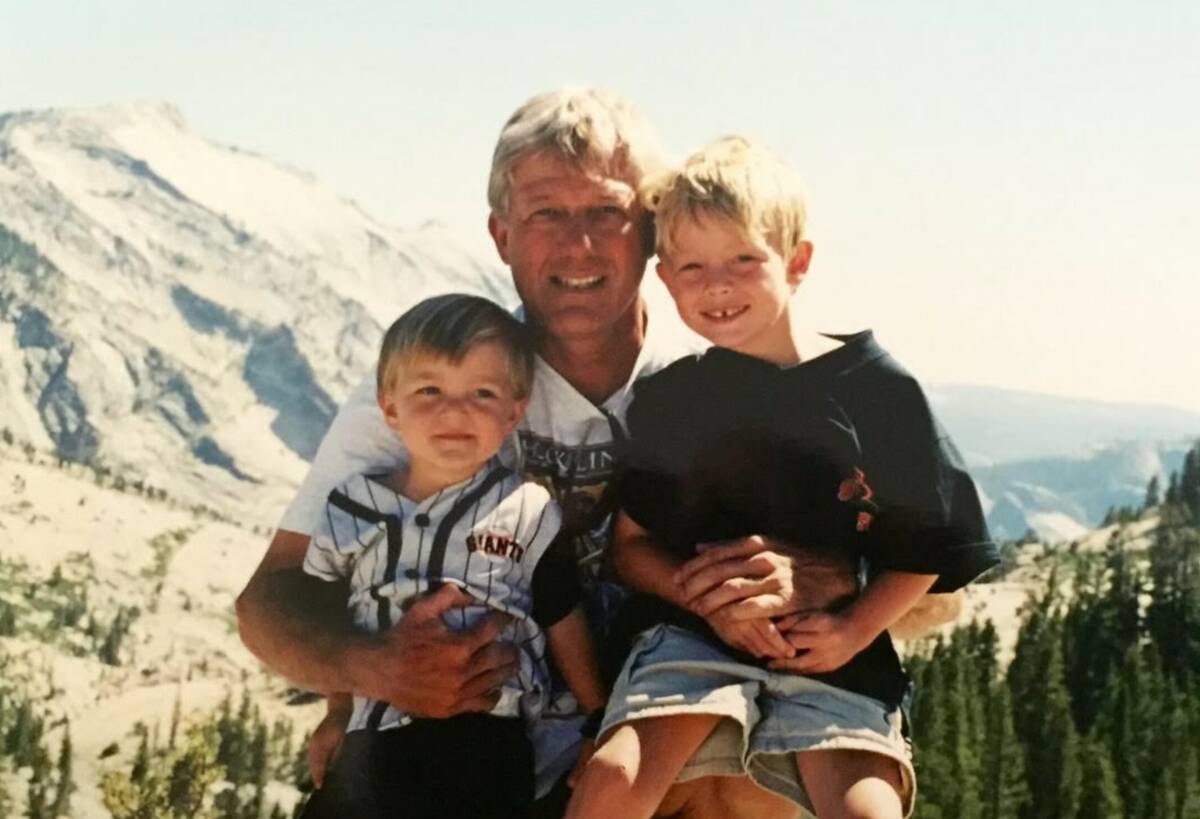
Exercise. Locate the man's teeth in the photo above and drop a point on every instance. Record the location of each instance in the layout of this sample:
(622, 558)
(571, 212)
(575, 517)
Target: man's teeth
(579, 283)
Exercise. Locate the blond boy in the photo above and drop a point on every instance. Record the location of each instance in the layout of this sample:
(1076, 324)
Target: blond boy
(824, 442)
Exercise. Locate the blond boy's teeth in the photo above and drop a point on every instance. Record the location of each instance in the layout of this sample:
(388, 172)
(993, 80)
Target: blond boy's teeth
(728, 312)
(579, 283)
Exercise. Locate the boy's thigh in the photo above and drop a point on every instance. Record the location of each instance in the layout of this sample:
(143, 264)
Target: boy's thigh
(723, 797)
(853, 783)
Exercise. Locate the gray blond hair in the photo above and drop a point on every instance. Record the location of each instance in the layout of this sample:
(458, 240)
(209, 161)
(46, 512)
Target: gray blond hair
(449, 326)
(590, 126)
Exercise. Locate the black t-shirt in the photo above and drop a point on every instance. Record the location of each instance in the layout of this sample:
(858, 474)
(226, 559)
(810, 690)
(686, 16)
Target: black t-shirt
(839, 455)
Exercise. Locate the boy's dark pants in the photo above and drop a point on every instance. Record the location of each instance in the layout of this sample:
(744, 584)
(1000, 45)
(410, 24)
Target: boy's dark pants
(473, 765)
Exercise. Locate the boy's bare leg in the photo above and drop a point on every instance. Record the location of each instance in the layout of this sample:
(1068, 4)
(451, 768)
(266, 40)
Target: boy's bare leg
(851, 784)
(636, 765)
(724, 797)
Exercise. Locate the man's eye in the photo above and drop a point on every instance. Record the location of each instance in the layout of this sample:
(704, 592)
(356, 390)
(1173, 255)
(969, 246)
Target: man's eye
(609, 217)
(547, 215)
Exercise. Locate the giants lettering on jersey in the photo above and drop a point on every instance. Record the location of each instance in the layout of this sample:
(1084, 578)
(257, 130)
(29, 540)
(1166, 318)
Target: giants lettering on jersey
(497, 544)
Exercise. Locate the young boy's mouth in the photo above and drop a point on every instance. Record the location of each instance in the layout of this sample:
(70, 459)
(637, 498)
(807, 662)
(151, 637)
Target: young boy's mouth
(578, 282)
(725, 313)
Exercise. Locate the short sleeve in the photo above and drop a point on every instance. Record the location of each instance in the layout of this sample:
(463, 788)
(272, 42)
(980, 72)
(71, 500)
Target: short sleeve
(930, 520)
(556, 590)
(648, 485)
(357, 442)
(338, 540)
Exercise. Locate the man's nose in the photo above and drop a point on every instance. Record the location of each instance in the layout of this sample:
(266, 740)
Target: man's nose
(577, 231)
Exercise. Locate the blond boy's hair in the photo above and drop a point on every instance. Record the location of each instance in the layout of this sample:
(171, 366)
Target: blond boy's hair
(588, 126)
(733, 179)
(448, 326)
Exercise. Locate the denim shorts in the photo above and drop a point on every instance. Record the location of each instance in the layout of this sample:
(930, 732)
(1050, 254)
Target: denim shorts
(770, 716)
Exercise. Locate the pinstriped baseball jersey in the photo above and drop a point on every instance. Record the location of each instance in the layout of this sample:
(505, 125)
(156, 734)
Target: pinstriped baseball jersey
(486, 534)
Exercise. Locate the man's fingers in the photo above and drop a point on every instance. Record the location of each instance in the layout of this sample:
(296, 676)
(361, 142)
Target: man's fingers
(431, 605)
(485, 683)
(710, 577)
(485, 631)
(735, 589)
(481, 704)
(712, 554)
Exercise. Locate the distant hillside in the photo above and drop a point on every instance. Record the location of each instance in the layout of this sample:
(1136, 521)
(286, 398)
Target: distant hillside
(996, 426)
(1061, 498)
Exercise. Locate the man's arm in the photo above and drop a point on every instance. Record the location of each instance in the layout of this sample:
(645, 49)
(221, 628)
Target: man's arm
(298, 626)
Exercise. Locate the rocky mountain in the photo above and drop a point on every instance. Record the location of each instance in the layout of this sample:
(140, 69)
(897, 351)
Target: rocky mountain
(187, 311)
(1063, 498)
(192, 314)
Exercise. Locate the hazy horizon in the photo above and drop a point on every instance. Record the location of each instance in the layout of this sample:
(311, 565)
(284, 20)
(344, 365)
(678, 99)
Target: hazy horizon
(1006, 195)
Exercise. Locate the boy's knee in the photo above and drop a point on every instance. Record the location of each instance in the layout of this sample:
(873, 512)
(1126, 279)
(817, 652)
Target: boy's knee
(609, 785)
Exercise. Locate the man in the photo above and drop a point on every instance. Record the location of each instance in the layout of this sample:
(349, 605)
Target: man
(565, 218)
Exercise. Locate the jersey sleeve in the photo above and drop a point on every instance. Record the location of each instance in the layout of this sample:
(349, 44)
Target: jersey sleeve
(357, 442)
(930, 520)
(339, 539)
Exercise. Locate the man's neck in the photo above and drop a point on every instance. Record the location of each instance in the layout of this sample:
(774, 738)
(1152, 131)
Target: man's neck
(599, 365)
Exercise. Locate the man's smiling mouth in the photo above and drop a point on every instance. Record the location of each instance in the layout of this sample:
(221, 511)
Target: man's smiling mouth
(578, 282)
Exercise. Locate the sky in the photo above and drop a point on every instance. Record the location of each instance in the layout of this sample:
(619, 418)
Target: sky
(1007, 193)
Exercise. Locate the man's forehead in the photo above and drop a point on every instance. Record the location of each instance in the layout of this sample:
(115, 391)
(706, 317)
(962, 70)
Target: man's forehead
(544, 175)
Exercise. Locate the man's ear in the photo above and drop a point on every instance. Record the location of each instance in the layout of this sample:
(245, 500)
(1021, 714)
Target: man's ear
(499, 229)
(797, 266)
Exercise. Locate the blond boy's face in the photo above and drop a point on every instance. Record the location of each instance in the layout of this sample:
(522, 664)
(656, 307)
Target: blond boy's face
(732, 287)
(453, 416)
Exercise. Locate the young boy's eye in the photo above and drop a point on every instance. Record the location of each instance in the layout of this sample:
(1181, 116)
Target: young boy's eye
(428, 389)
(484, 392)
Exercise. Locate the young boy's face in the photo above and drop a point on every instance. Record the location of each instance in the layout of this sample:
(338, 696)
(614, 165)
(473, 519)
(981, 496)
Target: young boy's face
(453, 416)
(733, 288)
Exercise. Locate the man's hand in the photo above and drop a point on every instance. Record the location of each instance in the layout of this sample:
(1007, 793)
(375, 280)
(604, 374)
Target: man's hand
(754, 578)
(423, 667)
(823, 642)
(326, 741)
(759, 636)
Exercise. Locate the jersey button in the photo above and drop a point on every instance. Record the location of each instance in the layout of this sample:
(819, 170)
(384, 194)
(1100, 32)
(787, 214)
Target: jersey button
(421, 519)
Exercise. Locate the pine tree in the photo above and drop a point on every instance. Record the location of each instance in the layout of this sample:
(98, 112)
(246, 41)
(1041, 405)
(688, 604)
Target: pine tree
(6, 804)
(1004, 786)
(141, 760)
(1100, 798)
(1153, 494)
(176, 714)
(66, 780)
(193, 771)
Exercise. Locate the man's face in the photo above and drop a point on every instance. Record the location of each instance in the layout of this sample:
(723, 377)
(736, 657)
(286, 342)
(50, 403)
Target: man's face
(573, 238)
